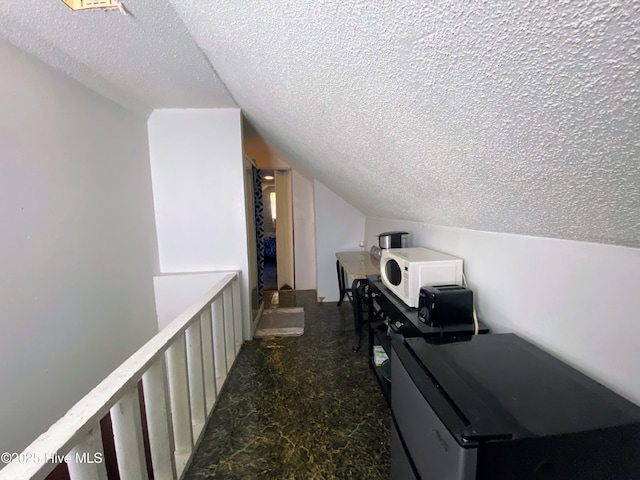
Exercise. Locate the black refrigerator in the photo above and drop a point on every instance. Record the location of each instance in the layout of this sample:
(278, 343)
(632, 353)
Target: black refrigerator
(495, 407)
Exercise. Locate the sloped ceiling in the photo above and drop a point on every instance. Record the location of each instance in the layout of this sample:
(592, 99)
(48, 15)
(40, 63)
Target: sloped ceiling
(145, 60)
(518, 117)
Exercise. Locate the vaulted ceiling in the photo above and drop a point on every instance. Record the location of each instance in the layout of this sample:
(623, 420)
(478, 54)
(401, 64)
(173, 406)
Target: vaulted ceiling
(518, 117)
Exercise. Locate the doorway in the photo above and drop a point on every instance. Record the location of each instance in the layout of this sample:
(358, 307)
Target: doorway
(277, 246)
(270, 272)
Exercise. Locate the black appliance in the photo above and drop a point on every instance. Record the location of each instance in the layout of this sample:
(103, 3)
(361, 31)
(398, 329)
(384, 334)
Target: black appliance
(495, 407)
(393, 239)
(442, 305)
(390, 317)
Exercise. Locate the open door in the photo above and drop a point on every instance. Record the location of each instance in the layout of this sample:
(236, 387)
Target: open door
(284, 229)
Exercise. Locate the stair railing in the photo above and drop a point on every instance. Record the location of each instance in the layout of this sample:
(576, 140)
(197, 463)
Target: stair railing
(181, 371)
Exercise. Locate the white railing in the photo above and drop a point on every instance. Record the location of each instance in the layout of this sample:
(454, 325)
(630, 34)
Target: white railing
(182, 370)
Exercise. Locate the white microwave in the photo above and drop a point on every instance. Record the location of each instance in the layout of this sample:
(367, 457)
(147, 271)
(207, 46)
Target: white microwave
(405, 270)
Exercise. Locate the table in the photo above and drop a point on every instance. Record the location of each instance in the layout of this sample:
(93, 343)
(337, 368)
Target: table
(355, 266)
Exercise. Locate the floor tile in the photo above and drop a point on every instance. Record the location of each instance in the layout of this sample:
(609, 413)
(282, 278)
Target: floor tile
(299, 408)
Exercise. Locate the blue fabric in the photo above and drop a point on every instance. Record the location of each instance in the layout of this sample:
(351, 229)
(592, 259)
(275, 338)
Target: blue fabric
(269, 247)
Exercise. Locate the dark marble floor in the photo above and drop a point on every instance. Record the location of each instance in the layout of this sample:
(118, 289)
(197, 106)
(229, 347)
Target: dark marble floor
(299, 408)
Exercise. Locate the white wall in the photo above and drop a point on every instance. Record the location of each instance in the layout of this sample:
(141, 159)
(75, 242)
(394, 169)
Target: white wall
(174, 293)
(576, 300)
(77, 249)
(304, 232)
(198, 190)
(339, 228)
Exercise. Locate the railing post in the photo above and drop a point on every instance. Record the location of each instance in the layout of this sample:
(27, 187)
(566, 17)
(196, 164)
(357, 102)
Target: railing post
(208, 362)
(219, 341)
(86, 460)
(180, 404)
(127, 435)
(196, 378)
(159, 421)
(229, 328)
(237, 314)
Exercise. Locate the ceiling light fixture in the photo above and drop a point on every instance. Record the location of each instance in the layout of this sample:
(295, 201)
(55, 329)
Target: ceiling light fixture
(93, 4)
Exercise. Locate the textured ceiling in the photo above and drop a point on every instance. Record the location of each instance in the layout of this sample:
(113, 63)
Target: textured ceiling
(144, 60)
(521, 117)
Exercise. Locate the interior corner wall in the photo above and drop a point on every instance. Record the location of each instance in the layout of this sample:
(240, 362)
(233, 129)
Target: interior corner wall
(339, 228)
(198, 189)
(576, 300)
(78, 247)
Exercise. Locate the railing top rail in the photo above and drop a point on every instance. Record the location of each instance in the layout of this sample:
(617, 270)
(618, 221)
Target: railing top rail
(69, 430)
